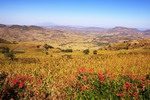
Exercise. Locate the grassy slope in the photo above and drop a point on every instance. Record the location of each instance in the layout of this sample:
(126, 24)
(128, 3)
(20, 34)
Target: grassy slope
(122, 61)
(130, 45)
(48, 72)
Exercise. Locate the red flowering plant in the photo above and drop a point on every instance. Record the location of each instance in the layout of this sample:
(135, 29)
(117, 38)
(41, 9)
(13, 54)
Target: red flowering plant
(3, 83)
(20, 81)
(135, 86)
(96, 86)
(80, 82)
(88, 85)
(13, 88)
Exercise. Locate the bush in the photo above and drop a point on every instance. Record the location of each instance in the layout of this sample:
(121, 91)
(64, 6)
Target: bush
(10, 55)
(5, 50)
(67, 56)
(38, 46)
(67, 50)
(13, 89)
(95, 52)
(88, 85)
(46, 46)
(46, 53)
(86, 51)
(7, 53)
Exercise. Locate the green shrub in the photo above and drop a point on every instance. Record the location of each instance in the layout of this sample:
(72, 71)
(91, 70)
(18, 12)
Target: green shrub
(67, 50)
(13, 88)
(10, 55)
(5, 50)
(86, 51)
(46, 46)
(87, 85)
(46, 53)
(95, 52)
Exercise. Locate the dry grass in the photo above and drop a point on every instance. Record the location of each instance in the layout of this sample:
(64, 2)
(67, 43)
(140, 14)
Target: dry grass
(122, 61)
(47, 69)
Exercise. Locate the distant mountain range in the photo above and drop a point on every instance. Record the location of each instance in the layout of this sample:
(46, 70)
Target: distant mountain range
(71, 37)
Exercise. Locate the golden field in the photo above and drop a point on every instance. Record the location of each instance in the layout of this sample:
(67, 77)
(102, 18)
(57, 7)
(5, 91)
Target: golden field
(50, 68)
(121, 61)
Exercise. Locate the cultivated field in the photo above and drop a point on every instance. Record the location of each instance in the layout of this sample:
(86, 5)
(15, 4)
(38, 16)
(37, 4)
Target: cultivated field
(37, 75)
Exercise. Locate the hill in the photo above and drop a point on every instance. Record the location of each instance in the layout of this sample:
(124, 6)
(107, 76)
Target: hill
(144, 44)
(120, 34)
(71, 37)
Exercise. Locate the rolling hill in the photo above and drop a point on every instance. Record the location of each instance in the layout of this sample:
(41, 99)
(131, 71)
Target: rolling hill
(71, 37)
(144, 44)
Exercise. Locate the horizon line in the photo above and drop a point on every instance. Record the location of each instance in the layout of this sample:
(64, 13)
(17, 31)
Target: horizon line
(86, 26)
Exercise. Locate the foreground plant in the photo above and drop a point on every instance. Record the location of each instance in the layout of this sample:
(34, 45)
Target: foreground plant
(98, 86)
(85, 84)
(13, 88)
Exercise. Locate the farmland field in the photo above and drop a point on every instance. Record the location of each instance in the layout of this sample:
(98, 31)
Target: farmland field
(48, 75)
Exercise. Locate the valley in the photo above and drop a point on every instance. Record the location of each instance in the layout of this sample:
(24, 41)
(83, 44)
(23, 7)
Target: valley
(71, 37)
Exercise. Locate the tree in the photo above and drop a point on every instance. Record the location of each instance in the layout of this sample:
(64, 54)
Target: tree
(46, 46)
(46, 53)
(5, 50)
(86, 51)
(67, 50)
(10, 55)
(38, 46)
(95, 52)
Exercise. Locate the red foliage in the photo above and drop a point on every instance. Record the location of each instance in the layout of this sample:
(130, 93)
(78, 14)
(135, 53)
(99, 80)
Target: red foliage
(111, 75)
(84, 78)
(119, 94)
(91, 70)
(20, 81)
(14, 82)
(21, 84)
(134, 94)
(127, 86)
(83, 88)
(81, 70)
(101, 77)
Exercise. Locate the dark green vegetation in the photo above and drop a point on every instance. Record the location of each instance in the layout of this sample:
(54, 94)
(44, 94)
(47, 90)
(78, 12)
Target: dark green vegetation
(95, 52)
(9, 54)
(86, 51)
(67, 50)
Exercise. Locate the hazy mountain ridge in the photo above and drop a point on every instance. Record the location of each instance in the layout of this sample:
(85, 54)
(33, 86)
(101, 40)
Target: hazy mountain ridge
(71, 37)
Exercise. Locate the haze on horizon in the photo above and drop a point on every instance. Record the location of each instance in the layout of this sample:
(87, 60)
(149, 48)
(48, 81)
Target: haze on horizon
(100, 13)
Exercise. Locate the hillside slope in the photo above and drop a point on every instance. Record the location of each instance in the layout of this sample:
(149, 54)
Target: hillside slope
(71, 37)
(144, 44)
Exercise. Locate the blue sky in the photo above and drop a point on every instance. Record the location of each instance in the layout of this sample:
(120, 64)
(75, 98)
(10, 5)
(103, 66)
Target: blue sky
(102, 13)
